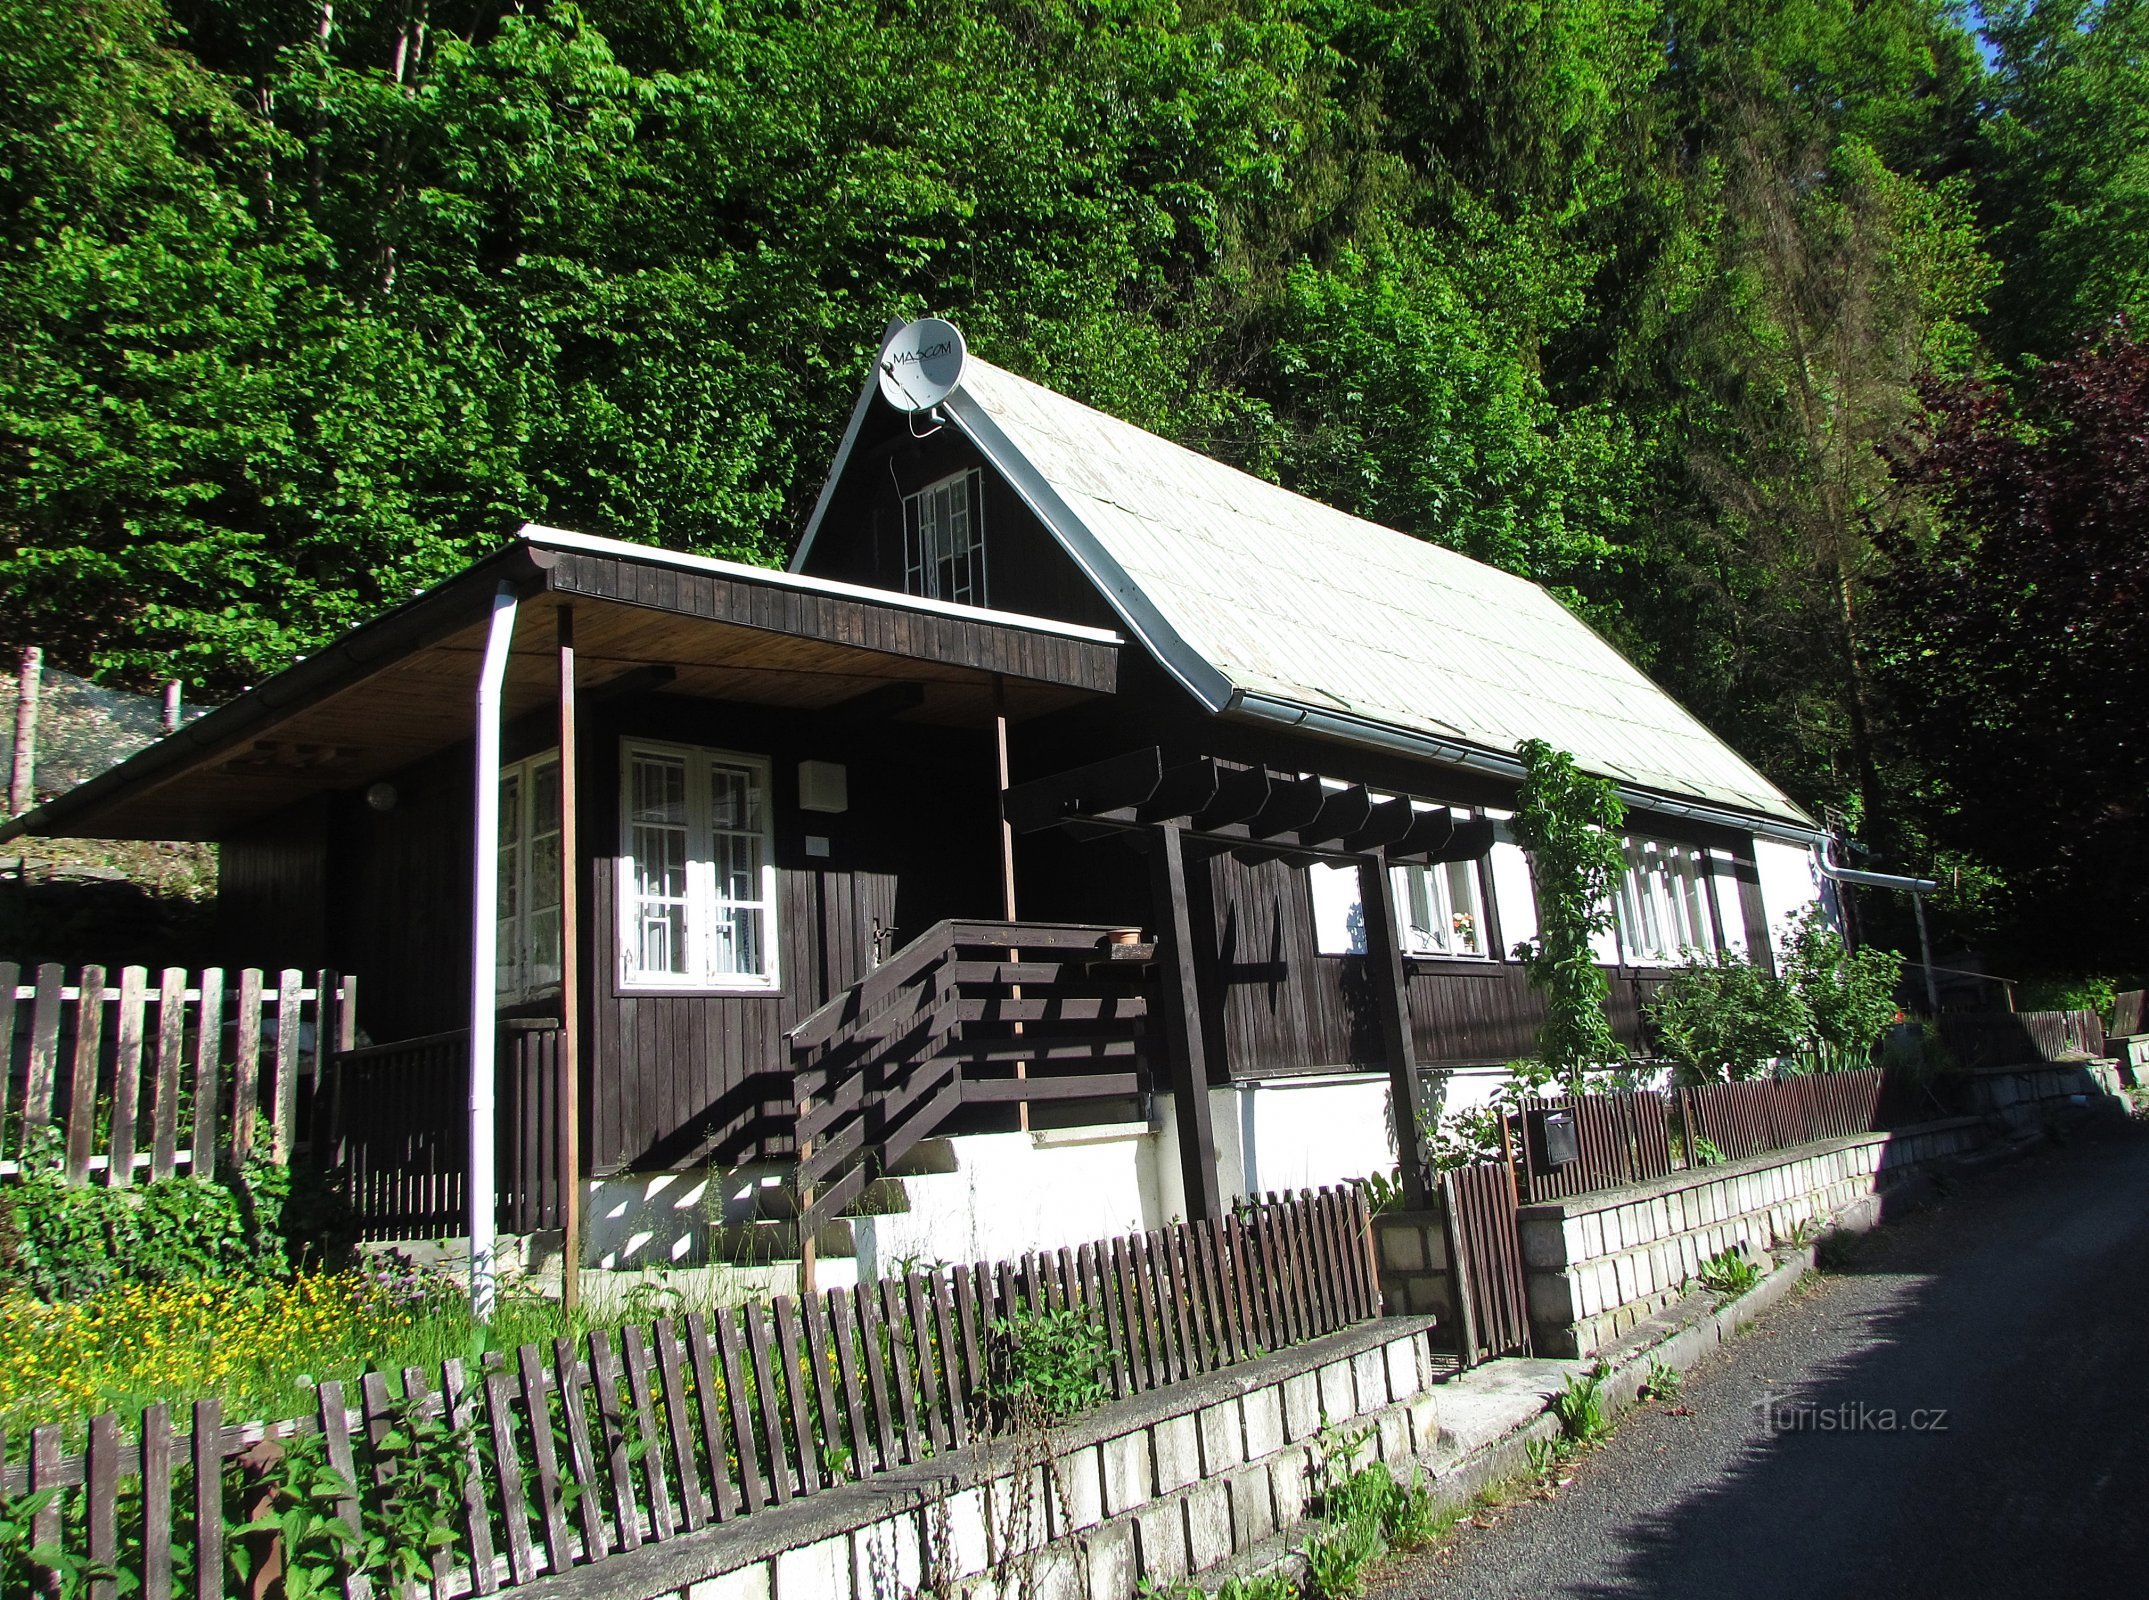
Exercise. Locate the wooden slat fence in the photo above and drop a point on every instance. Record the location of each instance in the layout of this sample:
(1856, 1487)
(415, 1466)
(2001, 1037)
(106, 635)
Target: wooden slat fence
(1485, 1264)
(1744, 1119)
(1621, 1138)
(2018, 1038)
(145, 1074)
(582, 1448)
(398, 1132)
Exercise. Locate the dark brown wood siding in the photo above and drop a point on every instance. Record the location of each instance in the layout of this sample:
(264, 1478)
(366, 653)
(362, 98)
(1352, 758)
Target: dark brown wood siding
(272, 890)
(681, 1077)
(861, 538)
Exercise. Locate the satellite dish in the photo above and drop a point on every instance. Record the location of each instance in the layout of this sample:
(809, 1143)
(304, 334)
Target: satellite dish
(921, 364)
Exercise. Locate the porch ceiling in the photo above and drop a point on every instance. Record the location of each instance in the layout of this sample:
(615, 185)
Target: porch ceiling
(404, 687)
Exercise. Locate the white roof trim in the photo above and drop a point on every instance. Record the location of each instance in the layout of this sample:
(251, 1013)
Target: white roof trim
(1121, 593)
(775, 578)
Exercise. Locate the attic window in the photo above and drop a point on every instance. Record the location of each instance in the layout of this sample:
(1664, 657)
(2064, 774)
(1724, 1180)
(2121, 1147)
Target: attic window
(944, 540)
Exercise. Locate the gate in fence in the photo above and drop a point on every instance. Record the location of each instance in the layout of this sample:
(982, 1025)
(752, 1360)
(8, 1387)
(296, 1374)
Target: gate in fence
(1492, 1316)
(164, 1073)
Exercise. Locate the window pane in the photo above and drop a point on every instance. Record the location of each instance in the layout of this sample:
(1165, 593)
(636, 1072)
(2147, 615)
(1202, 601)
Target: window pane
(1339, 926)
(738, 853)
(943, 547)
(1465, 917)
(657, 849)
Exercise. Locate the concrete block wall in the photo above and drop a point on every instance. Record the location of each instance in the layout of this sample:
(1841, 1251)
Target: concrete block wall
(1161, 1488)
(1596, 1264)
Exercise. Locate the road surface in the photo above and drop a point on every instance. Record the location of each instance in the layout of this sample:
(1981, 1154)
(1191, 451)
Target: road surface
(1961, 1409)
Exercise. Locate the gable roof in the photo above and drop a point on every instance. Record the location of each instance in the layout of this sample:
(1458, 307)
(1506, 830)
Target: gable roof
(1267, 605)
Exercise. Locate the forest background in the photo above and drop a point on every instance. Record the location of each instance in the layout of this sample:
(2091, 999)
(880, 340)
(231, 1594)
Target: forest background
(1793, 342)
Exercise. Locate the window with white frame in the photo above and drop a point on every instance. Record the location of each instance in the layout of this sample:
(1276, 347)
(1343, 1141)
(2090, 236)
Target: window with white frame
(697, 870)
(944, 540)
(1440, 907)
(529, 896)
(1661, 906)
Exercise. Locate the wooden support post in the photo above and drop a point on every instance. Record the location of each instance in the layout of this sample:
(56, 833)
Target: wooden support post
(1182, 1026)
(1007, 867)
(22, 778)
(1391, 994)
(570, 1098)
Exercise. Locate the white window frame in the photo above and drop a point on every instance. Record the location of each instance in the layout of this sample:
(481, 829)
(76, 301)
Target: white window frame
(1660, 906)
(704, 907)
(930, 569)
(1432, 886)
(1339, 911)
(518, 976)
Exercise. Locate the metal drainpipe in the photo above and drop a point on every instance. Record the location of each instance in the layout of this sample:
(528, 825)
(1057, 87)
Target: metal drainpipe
(1917, 889)
(485, 956)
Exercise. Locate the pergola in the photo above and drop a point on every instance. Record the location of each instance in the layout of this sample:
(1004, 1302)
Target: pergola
(1204, 807)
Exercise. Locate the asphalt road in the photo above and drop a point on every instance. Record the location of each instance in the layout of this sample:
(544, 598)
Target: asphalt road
(2018, 1307)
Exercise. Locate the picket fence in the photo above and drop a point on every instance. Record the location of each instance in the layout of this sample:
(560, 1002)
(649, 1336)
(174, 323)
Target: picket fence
(170, 1073)
(585, 1448)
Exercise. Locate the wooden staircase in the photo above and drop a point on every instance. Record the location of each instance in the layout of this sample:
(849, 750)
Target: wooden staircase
(968, 1014)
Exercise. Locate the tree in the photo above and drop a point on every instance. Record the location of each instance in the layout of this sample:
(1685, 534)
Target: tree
(2063, 164)
(1571, 824)
(2016, 648)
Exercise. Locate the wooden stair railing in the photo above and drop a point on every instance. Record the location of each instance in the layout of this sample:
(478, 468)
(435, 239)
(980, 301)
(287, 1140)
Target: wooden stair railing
(977, 1013)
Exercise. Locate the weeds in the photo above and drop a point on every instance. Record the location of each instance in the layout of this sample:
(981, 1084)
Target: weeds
(1580, 1408)
(1728, 1273)
(1663, 1381)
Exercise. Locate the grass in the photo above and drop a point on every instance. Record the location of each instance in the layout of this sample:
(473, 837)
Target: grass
(260, 1346)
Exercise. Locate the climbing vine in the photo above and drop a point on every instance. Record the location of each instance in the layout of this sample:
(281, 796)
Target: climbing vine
(1571, 825)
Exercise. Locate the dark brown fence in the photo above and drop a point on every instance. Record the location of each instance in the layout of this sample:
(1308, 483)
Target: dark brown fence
(1485, 1264)
(1619, 1138)
(157, 1074)
(583, 1448)
(1744, 1119)
(2018, 1038)
(399, 1132)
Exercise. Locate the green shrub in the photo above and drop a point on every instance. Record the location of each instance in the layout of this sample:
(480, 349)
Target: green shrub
(66, 1241)
(1052, 1361)
(1726, 1019)
(1849, 994)
(1570, 823)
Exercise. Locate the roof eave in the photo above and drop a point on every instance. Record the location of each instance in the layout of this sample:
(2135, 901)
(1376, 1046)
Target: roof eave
(431, 616)
(1793, 826)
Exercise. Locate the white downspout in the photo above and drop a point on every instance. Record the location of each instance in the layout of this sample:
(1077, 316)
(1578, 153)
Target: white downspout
(485, 956)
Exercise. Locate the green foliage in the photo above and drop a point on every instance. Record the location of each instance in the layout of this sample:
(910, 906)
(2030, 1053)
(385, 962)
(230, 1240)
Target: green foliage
(1260, 1586)
(1570, 823)
(1336, 1559)
(407, 1508)
(1049, 1362)
(1729, 1019)
(1849, 994)
(1728, 1273)
(1579, 1405)
(70, 1241)
(1664, 1381)
(27, 1567)
(1705, 1154)
(1726, 1019)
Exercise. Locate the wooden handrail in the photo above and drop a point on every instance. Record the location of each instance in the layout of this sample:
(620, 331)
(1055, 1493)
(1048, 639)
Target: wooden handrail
(908, 1021)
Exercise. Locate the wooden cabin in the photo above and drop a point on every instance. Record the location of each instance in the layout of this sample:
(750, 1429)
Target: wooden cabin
(1079, 833)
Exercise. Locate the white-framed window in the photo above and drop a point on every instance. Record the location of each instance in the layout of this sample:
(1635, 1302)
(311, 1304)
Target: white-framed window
(1441, 909)
(1661, 906)
(529, 902)
(697, 869)
(944, 539)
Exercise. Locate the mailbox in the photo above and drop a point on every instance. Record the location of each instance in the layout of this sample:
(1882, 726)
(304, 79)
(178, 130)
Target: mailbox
(1552, 1139)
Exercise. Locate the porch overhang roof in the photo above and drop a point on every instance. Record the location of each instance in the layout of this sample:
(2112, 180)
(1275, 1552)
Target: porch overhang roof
(403, 686)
